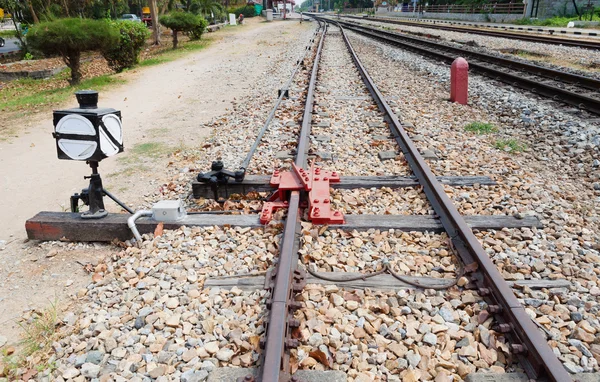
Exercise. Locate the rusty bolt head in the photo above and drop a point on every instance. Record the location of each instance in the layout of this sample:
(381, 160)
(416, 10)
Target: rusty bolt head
(494, 309)
(316, 201)
(518, 348)
(291, 343)
(326, 201)
(504, 328)
(484, 291)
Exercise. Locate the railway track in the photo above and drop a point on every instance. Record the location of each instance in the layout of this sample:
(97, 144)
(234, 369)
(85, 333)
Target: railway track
(287, 280)
(579, 91)
(308, 263)
(577, 43)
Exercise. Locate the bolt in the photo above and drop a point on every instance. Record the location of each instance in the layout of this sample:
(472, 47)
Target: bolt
(336, 213)
(317, 178)
(326, 201)
(484, 291)
(291, 343)
(325, 178)
(294, 323)
(494, 309)
(316, 201)
(262, 343)
(518, 348)
(504, 328)
(334, 173)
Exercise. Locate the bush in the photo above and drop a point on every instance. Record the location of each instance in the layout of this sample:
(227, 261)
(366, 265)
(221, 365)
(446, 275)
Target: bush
(69, 38)
(247, 11)
(182, 22)
(196, 33)
(126, 53)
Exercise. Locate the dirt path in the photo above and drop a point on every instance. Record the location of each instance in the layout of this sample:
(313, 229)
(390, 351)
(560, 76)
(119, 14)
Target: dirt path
(163, 107)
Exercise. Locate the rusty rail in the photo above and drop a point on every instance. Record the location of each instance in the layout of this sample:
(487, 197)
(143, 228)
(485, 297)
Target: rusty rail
(532, 350)
(286, 280)
(537, 79)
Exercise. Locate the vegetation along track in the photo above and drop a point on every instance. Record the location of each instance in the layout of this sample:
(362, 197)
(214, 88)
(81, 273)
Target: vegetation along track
(572, 89)
(577, 43)
(290, 316)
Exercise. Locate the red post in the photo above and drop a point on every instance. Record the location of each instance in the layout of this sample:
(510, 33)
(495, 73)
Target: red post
(459, 81)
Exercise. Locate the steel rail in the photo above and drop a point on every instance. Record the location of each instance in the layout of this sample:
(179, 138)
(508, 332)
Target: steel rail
(276, 365)
(531, 348)
(574, 79)
(580, 100)
(584, 44)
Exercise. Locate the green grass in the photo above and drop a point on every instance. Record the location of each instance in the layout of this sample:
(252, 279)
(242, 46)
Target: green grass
(173, 54)
(481, 128)
(10, 33)
(510, 145)
(28, 94)
(149, 149)
(557, 21)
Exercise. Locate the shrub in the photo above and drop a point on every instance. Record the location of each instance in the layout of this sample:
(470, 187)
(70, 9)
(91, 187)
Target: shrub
(196, 33)
(126, 53)
(182, 22)
(247, 11)
(69, 38)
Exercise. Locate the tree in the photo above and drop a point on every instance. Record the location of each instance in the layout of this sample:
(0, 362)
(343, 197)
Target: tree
(209, 9)
(155, 24)
(69, 38)
(181, 22)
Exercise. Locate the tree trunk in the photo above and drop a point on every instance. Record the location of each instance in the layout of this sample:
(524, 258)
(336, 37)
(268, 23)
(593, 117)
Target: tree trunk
(66, 5)
(35, 18)
(22, 43)
(155, 24)
(174, 39)
(74, 63)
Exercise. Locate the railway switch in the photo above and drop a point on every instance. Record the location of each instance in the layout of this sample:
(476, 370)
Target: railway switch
(315, 182)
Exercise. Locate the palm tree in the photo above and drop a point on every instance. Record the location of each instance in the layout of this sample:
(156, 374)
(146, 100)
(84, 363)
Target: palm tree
(209, 9)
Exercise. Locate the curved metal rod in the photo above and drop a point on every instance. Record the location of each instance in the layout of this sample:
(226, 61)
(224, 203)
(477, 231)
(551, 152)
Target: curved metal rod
(271, 115)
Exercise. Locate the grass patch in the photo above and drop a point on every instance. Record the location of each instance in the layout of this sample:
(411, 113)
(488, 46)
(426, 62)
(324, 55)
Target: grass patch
(481, 128)
(557, 21)
(28, 93)
(136, 154)
(36, 345)
(169, 54)
(10, 33)
(510, 145)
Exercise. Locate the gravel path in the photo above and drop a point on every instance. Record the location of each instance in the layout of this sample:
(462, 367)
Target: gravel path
(147, 316)
(555, 178)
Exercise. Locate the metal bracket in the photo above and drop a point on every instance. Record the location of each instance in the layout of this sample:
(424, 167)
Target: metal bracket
(218, 176)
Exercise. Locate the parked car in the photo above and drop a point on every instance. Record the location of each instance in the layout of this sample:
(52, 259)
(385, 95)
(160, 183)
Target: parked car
(131, 17)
